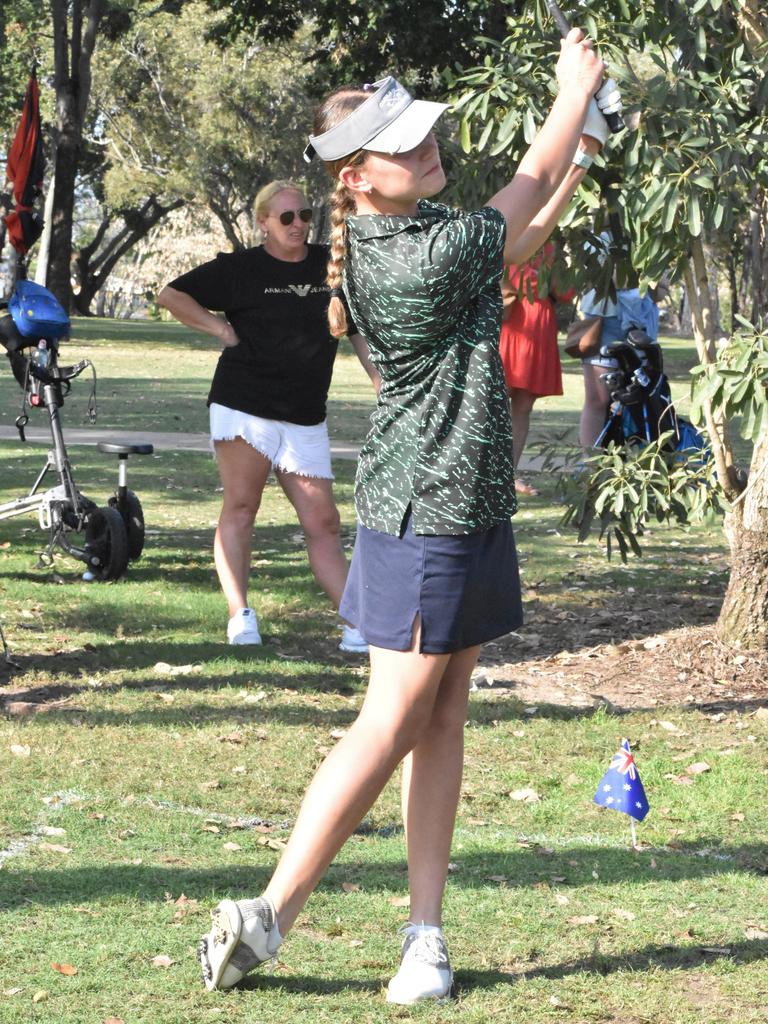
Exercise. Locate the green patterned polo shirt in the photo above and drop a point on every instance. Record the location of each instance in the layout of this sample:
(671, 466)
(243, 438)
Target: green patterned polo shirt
(424, 291)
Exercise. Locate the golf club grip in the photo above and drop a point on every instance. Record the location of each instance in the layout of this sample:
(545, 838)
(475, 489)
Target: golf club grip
(614, 121)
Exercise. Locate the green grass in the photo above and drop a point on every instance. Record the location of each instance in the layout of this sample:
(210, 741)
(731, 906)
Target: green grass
(139, 768)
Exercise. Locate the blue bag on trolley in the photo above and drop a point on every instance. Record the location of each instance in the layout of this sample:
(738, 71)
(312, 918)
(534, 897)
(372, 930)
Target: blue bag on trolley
(37, 313)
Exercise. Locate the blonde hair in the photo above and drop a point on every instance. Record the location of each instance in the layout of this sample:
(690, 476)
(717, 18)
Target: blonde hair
(333, 111)
(266, 194)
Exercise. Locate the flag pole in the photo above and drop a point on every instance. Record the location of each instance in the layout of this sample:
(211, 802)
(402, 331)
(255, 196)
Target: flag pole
(634, 833)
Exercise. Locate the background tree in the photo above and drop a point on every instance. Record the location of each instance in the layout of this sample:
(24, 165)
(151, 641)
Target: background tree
(180, 121)
(358, 41)
(687, 177)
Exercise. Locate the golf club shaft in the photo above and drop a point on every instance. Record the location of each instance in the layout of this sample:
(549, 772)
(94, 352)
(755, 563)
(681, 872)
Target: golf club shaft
(614, 120)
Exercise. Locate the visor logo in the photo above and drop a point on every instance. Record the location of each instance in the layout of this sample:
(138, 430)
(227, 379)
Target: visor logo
(395, 96)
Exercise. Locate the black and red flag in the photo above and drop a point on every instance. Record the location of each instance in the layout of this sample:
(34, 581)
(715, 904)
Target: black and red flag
(25, 167)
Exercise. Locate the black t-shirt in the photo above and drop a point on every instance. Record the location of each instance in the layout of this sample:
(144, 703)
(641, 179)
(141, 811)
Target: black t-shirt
(282, 367)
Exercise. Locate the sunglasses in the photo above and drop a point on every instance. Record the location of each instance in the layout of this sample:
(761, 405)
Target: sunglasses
(287, 216)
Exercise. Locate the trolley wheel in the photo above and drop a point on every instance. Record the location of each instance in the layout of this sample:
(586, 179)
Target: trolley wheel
(133, 517)
(106, 544)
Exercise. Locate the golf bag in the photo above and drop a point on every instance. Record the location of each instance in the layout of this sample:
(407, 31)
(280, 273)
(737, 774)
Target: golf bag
(641, 402)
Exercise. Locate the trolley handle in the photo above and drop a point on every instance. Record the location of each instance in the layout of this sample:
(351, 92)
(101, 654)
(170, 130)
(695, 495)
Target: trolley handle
(62, 373)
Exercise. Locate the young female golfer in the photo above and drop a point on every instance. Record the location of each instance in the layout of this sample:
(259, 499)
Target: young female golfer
(434, 573)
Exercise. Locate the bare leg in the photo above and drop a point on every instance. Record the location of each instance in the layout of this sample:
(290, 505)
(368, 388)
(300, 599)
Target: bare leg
(243, 472)
(431, 786)
(596, 401)
(521, 403)
(397, 708)
(312, 497)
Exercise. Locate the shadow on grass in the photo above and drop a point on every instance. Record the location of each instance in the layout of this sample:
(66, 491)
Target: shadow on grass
(651, 957)
(524, 867)
(329, 672)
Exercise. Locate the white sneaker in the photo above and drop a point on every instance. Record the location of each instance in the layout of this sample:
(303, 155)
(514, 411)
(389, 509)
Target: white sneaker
(425, 971)
(243, 628)
(243, 935)
(353, 641)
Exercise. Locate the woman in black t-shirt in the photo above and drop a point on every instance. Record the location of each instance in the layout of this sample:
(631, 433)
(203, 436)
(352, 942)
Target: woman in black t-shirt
(267, 399)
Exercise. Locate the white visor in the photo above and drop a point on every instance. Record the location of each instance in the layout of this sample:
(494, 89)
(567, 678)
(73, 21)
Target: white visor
(389, 121)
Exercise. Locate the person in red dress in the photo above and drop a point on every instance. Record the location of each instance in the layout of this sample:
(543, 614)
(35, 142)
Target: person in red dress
(528, 346)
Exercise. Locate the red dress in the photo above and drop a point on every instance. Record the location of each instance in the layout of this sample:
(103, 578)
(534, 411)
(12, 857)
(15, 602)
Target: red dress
(528, 342)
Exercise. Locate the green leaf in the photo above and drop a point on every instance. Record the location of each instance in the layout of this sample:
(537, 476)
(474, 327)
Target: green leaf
(465, 136)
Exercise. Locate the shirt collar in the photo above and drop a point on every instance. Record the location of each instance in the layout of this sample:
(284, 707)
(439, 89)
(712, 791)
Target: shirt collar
(380, 225)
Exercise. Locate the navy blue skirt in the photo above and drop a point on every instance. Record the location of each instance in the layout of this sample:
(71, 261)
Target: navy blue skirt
(465, 589)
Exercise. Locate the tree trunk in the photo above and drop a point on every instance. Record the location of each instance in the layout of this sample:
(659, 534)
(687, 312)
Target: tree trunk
(74, 39)
(95, 267)
(743, 620)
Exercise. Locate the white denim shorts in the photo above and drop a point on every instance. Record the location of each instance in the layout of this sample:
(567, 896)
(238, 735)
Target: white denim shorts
(290, 447)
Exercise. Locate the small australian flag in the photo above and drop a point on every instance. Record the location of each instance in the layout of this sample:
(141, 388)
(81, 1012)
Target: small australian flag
(620, 788)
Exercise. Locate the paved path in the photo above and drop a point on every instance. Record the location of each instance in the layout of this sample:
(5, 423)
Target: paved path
(168, 441)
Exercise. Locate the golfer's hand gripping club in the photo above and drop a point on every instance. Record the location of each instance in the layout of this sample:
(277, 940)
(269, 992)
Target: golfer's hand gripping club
(607, 102)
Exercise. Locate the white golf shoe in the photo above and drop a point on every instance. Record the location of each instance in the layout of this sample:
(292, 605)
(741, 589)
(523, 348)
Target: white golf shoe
(243, 628)
(243, 935)
(425, 971)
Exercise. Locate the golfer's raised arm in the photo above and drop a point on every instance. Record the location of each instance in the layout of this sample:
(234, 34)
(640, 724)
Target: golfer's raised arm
(188, 311)
(542, 170)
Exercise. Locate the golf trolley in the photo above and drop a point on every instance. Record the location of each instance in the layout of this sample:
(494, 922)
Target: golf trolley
(106, 538)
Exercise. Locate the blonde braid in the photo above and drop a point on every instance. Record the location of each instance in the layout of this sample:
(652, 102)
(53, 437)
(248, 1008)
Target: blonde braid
(342, 205)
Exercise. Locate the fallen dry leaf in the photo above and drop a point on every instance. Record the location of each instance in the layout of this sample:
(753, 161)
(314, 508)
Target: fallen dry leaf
(40, 997)
(50, 830)
(761, 713)
(561, 899)
(350, 887)
(67, 969)
(212, 784)
(584, 919)
(336, 734)
(400, 901)
(716, 950)
(625, 915)
(20, 750)
(554, 1001)
(232, 737)
(653, 642)
(184, 907)
(163, 960)
(753, 932)
(271, 843)
(208, 827)
(356, 942)
(113, 1020)
(738, 816)
(698, 768)
(528, 796)
(11, 992)
(55, 848)
(496, 878)
(232, 846)
(164, 669)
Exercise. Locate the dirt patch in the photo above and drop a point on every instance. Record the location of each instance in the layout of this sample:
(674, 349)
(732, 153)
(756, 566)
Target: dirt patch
(626, 658)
